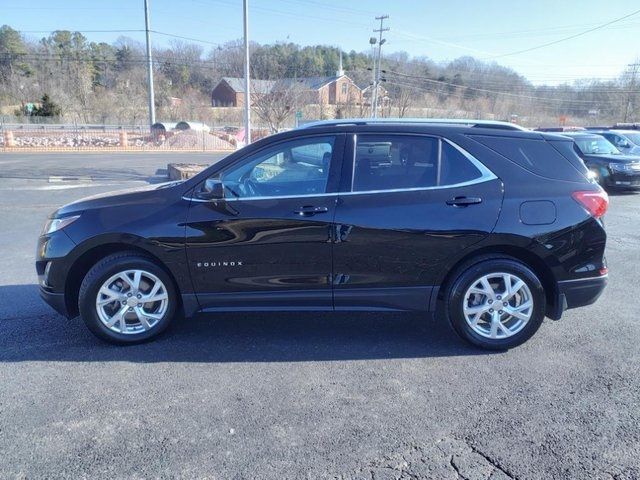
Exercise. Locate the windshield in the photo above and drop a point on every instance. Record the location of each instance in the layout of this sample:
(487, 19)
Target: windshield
(633, 137)
(596, 146)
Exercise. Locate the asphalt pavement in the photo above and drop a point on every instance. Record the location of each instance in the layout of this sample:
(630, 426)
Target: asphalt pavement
(303, 395)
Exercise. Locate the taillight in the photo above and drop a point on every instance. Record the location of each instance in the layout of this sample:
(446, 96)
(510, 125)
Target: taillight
(596, 203)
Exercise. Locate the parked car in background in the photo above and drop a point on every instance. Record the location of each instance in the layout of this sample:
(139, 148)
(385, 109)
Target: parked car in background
(627, 141)
(496, 226)
(610, 167)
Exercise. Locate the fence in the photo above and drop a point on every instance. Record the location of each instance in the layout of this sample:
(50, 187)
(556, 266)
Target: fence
(64, 138)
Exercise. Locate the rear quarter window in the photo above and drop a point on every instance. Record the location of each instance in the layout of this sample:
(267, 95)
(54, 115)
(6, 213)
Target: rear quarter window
(537, 156)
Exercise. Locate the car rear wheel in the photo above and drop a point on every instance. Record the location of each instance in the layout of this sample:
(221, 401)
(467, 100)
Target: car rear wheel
(127, 298)
(496, 303)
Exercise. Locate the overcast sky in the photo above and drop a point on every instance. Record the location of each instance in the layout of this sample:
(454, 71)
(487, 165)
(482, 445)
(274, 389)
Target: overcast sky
(497, 30)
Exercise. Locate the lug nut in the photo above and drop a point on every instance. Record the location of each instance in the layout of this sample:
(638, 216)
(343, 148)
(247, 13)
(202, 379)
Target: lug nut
(129, 294)
(500, 312)
(139, 296)
(130, 309)
(505, 304)
(490, 302)
(499, 297)
(491, 310)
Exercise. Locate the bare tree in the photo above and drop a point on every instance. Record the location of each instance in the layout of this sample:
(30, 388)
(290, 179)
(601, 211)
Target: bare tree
(276, 105)
(404, 100)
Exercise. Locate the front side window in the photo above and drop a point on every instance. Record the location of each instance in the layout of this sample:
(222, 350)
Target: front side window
(390, 162)
(298, 167)
(596, 146)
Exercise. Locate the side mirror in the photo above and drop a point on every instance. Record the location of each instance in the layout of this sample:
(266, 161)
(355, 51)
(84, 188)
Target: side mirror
(212, 189)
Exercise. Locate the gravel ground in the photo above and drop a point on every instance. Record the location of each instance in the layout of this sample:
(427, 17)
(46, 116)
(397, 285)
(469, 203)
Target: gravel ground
(349, 396)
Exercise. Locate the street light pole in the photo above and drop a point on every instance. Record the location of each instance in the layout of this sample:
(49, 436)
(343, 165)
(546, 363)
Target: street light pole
(247, 74)
(152, 103)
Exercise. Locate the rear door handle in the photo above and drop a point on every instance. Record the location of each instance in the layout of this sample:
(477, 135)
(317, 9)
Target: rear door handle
(309, 210)
(464, 201)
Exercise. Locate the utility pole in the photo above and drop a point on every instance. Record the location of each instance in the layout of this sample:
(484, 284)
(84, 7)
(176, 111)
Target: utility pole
(247, 74)
(152, 102)
(376, 82)
(632, 84)
(372, 42)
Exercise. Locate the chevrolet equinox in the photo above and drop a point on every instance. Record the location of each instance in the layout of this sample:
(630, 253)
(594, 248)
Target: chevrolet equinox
(496, 226)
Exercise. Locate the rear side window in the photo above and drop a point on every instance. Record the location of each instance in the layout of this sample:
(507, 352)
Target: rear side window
(390, 162)
(568, 151)
(537, 156)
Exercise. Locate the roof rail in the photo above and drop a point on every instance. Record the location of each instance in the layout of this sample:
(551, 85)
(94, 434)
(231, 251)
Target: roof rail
(416, 121)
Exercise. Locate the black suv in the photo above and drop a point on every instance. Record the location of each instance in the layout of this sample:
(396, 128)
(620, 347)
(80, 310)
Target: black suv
(610, 167)
(496, 226)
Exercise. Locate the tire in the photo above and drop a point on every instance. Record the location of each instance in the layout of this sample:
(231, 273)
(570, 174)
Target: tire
(115, 311)
(468, 290)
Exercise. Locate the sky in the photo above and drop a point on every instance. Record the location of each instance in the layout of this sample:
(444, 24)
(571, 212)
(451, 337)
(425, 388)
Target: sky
(491, 30)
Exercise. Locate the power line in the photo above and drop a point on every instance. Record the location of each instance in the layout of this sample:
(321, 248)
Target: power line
(483, 90)
(570, 37)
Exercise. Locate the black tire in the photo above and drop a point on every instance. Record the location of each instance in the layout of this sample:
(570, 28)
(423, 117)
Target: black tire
(100, 273)
(469, 274)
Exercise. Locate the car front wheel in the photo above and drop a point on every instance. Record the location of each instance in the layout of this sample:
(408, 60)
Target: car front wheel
(496, 304)
(127, 298)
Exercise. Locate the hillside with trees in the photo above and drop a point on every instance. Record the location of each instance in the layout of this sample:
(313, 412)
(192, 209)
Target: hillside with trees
(90, 82)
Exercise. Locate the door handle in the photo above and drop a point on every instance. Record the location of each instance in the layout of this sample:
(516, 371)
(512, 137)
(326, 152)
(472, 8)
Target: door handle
(464, 201)
(308, 210)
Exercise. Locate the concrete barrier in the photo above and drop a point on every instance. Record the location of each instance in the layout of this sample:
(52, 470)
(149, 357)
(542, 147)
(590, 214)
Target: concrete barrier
(182, 171)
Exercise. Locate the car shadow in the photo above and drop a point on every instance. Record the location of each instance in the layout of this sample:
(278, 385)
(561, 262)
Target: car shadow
(42, 335)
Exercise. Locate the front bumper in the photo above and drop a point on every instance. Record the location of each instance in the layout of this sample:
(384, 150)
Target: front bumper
(624, 180)
(580, 292)
(55, 301)
(52, 268)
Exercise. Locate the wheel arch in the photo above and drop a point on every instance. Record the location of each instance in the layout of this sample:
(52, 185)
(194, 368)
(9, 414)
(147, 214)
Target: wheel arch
(523, 255)
(93, 255)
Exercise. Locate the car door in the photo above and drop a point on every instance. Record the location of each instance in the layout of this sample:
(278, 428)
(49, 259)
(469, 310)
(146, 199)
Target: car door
(266, 243)
(414, 201)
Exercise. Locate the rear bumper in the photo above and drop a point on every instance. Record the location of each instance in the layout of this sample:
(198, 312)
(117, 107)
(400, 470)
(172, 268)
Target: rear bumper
(578, 293)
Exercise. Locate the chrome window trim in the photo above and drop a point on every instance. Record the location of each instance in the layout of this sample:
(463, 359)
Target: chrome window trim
(486, 176)
(337, 194)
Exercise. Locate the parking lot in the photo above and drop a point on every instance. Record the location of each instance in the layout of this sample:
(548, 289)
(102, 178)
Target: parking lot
(303, 395)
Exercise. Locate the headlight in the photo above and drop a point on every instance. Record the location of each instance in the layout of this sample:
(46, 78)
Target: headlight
(620, 167)
(55, 224)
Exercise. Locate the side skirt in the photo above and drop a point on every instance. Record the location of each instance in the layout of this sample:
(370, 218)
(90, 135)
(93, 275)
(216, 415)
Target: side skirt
(343, 299)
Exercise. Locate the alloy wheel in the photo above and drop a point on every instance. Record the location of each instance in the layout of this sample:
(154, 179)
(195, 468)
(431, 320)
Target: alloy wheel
(132, 301)
(498, 305)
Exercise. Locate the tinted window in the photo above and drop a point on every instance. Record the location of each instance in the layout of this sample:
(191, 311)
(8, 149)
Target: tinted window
(455, 167)
(568, 151)
(299, 167)
(388, 162)
(537, 156)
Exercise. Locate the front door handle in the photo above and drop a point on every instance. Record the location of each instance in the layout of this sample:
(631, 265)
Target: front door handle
(309, 210)
(464, 201)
